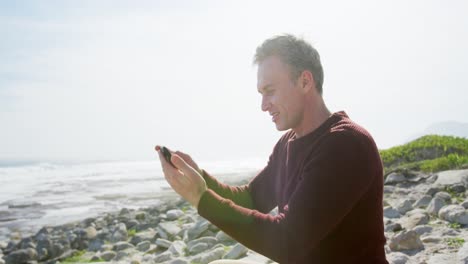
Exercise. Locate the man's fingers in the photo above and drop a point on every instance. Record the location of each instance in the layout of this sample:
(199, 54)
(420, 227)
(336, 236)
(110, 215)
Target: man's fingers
(180, 163)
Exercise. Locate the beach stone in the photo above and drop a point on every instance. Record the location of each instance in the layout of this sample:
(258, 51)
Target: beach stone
(120, 233)
(435, 205)
(168, 230)
(21, 256)
(163, 243)
(179, 261)
(454, 214)
(404, 207)
(177, 248)
(11, 246)
(223, 237)
(462, 254)
(393, 227)
(431, 239)
(108, 255)
(433, 190)
(389, 189)
(391, 212)
(406, 240)
(43, 247)
(465, 204)
(207, 257)
(397, 258)
(174, 214)
(121, 255)
(119, 246)
(143, 236)
(124, 211)
(198, 248)
(141, 216)
(196, 230)
(457, 188)
(43, 231)
(211, 241)
(132, 223)
(57, 250)
(104, 234)
(444, 196)
(415, 218)
(95, 245)
(26, 242)
(423, 229)
(394, 178)
(451, 177)
(236, 252)
(89, 233)
(423, 202)
(165, 256)
(143, 246)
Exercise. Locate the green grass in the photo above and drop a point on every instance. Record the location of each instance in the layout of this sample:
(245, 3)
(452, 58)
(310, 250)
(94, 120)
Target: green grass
(79, 258)
(431, 153)
(455, 242)
(131, 232)
(454, 225)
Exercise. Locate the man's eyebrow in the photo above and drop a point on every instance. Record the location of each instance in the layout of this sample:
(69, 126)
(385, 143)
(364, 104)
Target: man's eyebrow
(265, 88)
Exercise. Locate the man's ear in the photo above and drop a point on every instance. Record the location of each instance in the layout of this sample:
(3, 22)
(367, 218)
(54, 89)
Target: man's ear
(306, 81)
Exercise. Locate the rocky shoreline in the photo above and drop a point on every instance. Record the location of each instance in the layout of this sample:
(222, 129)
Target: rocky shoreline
(170, 233)
(425, 218)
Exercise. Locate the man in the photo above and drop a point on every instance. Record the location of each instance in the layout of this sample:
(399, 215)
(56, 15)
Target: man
(324, 175)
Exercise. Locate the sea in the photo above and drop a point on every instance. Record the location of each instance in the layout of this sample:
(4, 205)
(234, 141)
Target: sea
(33, 195)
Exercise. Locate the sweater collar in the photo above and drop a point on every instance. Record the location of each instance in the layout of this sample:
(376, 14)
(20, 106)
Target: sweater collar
(319, 130)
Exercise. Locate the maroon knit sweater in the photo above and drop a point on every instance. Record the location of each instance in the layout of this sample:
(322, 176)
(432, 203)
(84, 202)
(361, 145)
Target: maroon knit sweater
(328, 187)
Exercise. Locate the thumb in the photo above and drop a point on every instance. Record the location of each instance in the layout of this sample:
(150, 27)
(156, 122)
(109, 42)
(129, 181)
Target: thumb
(180, 163)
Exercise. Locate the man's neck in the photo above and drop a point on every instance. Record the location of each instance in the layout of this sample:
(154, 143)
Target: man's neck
(313, 118)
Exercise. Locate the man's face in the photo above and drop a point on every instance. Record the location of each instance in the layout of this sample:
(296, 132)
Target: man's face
(281, 97)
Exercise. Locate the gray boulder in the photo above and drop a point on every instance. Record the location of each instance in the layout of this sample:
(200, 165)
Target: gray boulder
(454, 214)
(174, 214)
(435, 205)
(120, 233)
(168, 230)
(165, 256)
(207, 257)
(406, 240)
(122, 245)
(236, 252)
(21, 256)
(163, 243)
(143, 246)
(108, 255)
(177, 248)
(397, 258)
(404, 206)
(196, 230)
(423, 202)
(391, 212)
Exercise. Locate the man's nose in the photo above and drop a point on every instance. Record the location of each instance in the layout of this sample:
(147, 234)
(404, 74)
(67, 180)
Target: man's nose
(265, 104)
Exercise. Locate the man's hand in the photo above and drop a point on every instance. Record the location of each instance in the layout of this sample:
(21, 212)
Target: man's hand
(184, 179)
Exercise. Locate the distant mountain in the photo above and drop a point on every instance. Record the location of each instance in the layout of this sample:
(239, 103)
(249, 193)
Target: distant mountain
(447, 128)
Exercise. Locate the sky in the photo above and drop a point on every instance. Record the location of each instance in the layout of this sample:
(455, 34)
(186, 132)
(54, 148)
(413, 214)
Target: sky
(108, 80)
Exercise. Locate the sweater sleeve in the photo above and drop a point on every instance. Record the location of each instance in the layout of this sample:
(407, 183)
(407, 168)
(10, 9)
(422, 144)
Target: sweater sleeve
(332, 183)
(238, 194)
(257, 194)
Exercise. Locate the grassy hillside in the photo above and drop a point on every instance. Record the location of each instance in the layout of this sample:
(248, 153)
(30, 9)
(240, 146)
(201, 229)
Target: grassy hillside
(429, 153)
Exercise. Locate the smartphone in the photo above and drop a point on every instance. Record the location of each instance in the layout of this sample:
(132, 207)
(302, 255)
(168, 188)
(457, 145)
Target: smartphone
(167, 155)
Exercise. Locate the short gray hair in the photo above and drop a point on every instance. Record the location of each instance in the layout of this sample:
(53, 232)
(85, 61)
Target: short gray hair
(296, 53)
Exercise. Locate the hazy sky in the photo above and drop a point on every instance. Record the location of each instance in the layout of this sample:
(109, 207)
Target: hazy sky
(107, 80)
